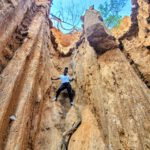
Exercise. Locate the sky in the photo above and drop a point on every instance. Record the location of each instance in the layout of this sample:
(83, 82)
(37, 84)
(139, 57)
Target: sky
(62, 9)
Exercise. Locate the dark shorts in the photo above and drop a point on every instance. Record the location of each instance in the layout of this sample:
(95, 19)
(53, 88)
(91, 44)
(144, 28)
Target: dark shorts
(63, 87)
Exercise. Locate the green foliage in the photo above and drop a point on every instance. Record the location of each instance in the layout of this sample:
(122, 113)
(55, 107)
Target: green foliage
(110, 10)
(113, 21)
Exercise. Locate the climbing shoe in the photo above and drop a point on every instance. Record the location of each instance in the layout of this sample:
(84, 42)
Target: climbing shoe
(72, 103)
(54, 99)
(12, 117)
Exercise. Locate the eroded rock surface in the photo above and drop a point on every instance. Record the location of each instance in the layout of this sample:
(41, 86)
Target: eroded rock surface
(137, 46)
(112, 96)
(116, 94)
(24, 80)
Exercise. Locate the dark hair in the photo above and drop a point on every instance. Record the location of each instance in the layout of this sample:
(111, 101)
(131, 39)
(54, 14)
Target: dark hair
(66, 68)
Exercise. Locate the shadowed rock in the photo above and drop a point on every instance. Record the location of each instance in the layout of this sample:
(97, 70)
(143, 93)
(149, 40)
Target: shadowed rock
(96, 32)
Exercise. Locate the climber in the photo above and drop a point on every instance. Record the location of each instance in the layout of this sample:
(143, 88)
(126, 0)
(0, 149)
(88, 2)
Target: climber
(65, 84)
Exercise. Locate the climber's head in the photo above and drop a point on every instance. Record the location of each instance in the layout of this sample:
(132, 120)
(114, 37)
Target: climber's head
(65, 70)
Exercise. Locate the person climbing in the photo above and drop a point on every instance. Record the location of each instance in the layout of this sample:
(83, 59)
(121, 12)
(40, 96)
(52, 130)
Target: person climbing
(65, 84)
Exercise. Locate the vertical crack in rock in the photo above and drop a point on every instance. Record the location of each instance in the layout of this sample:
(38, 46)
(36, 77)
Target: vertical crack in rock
(135, 66)
(17, 38)
(136, 49)
(71, 127)
(134, 28)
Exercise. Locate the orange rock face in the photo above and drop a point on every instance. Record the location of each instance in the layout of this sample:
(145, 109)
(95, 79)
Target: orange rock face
(122, 28)
(65, 41)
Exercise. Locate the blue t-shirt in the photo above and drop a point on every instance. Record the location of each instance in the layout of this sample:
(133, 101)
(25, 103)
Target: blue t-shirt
(64, 79)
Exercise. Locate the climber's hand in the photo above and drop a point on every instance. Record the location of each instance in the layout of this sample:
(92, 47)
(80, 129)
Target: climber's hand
(72, 79)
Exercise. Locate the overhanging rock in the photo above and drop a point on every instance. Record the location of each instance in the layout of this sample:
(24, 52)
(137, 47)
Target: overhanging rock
(96, 32)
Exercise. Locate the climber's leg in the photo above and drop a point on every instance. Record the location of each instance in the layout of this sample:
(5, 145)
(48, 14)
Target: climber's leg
(61, 88)
(69, 89)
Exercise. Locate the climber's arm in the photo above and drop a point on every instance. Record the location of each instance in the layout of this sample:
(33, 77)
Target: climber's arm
(54, 78)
